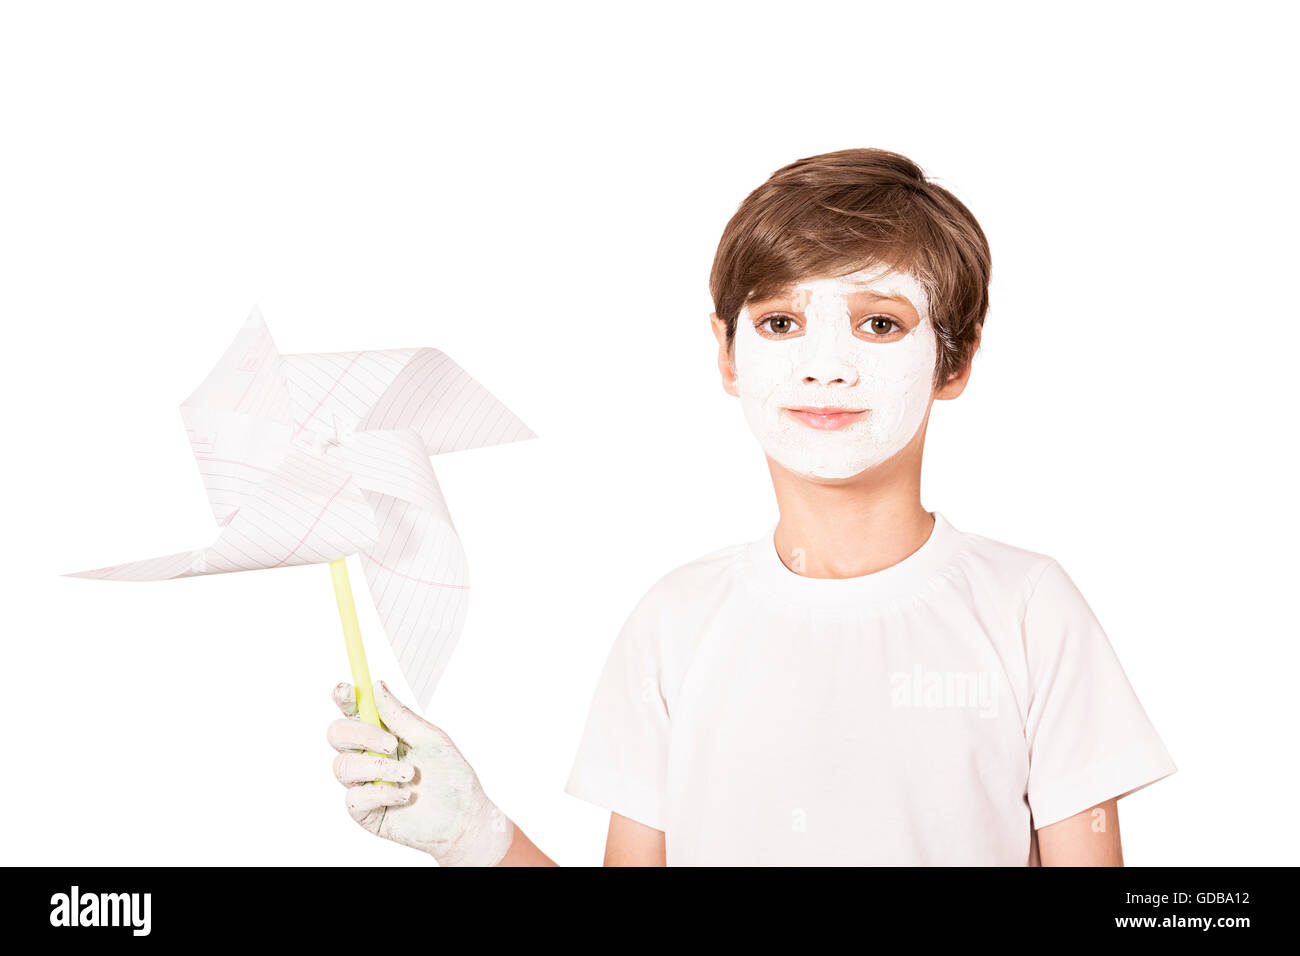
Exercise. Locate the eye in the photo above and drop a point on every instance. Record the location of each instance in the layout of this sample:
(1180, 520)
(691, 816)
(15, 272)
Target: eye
(777, 325)
(879, 326)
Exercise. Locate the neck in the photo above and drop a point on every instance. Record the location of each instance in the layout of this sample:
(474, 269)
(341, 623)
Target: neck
(854, 527)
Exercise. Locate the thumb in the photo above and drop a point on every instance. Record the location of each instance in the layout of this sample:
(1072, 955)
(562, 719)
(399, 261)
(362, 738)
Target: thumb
(399, 718)
(345, 698)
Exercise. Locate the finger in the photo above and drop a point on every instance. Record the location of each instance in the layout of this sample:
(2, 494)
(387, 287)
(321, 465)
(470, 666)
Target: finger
(400, 719)
(352, 768)
(346, 698)
(371, 796)
(348, 734)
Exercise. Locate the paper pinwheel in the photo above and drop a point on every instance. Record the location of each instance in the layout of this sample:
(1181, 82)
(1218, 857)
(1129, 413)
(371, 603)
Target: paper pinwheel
(310, 458)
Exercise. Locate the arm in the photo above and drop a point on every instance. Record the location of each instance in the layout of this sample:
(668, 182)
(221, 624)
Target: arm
(523, 852)
(633, 844)
(1090, 838)
(628, 844)
(433, 788)
(431, 800)
(1088, 734)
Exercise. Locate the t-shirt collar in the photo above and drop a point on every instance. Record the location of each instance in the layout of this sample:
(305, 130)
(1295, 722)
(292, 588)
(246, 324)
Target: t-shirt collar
(766, 570)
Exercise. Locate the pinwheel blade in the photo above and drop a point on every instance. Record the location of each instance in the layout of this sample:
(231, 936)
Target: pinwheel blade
(309, 458)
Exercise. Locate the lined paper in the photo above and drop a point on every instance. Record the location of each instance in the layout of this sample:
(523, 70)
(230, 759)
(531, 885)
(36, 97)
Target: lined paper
(309, 458)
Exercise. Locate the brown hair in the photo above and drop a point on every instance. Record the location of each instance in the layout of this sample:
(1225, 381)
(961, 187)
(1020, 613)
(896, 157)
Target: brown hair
(832, 214)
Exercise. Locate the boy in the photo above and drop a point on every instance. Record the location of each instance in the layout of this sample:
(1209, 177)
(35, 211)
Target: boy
(867, 684)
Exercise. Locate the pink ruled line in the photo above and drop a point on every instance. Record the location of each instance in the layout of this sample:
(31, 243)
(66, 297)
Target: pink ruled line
(436, 584)
(330, 391)
(319, 515)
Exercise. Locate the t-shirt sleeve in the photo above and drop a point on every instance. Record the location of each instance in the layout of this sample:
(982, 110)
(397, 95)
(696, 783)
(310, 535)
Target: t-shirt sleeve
(1089, 738)
(623, 757)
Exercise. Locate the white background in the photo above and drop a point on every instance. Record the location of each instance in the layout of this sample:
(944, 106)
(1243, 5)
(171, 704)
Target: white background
(538, 190)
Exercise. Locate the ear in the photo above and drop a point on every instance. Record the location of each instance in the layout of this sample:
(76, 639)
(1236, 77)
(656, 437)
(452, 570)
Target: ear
(725, 366)
(956, 383)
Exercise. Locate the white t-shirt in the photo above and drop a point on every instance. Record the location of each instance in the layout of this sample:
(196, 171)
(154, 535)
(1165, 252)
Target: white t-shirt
(935, 712)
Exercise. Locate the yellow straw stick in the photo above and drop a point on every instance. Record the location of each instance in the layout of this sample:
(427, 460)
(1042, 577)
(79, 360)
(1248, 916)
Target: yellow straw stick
(366, 708)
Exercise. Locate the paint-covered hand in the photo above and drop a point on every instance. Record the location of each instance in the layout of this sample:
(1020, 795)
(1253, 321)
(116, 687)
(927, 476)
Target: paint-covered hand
(432, 799)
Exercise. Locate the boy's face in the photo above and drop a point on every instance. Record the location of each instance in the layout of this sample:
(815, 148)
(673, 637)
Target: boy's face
(835, 374)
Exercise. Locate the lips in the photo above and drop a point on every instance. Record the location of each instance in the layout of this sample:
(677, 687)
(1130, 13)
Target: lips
(826, 418)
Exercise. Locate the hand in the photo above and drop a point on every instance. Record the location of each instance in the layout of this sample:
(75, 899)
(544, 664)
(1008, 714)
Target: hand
(432, 802)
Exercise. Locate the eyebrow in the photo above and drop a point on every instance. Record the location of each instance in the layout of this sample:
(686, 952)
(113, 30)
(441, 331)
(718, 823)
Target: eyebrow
(880, 295)
(789, 292)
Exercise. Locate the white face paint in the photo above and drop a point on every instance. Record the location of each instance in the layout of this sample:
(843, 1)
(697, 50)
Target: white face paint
(882, 388)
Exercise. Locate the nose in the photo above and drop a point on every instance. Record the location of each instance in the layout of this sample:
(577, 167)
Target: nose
(827, 366)
(847, 376)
